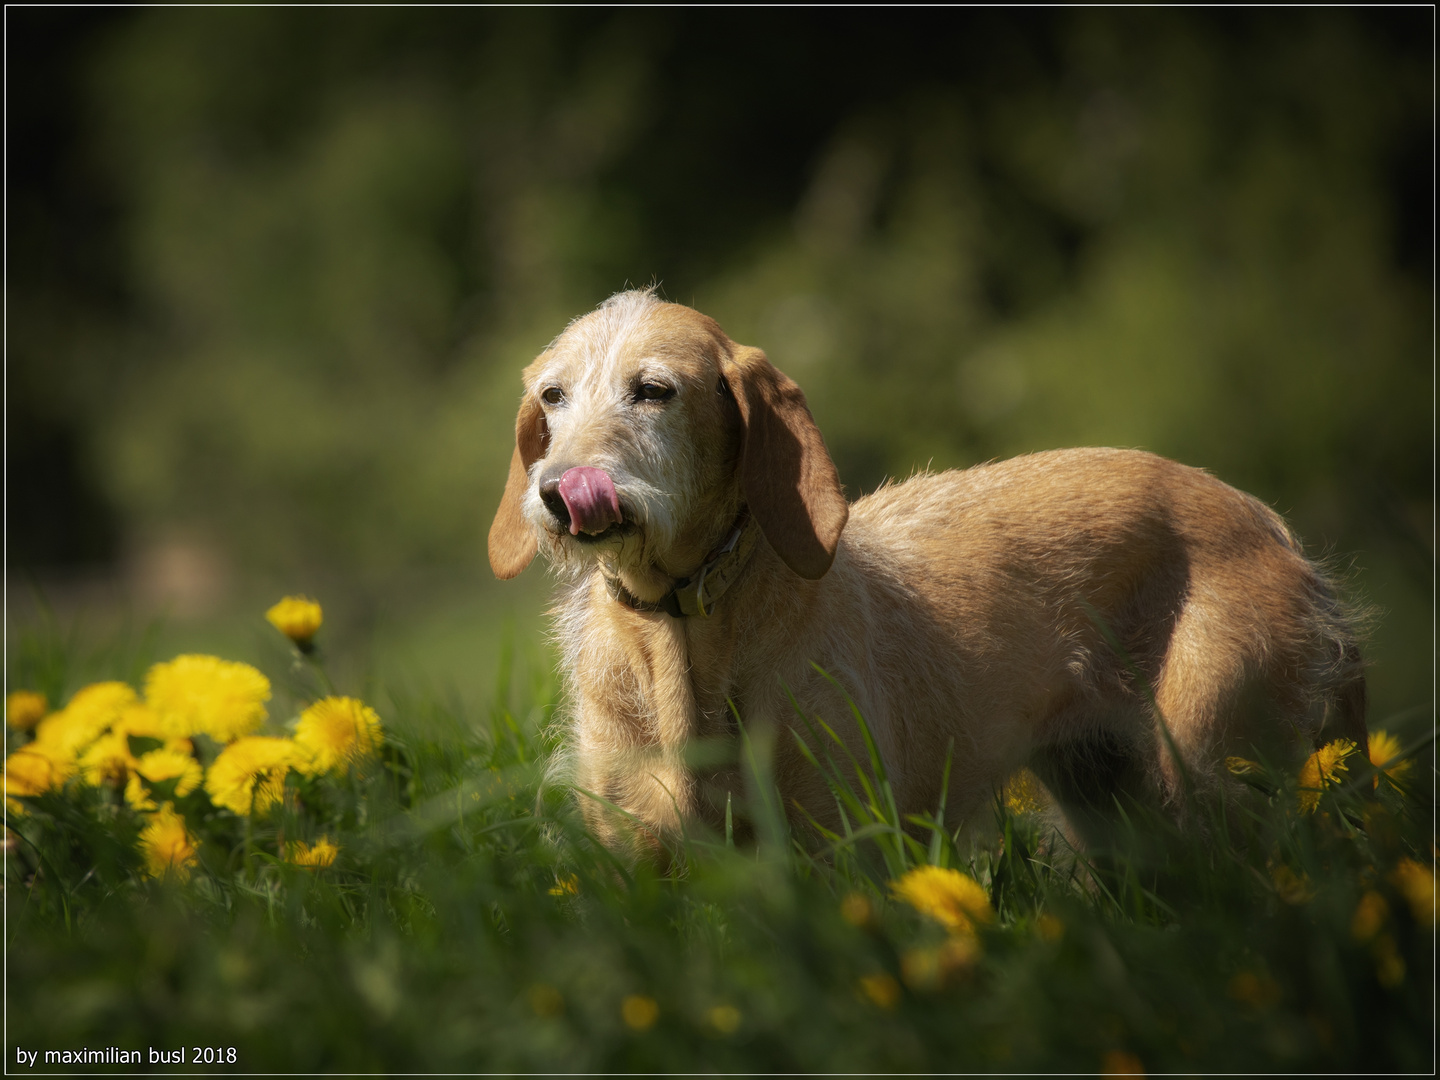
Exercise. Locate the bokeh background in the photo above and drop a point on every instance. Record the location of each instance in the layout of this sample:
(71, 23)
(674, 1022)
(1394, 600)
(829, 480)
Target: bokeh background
(272, 275)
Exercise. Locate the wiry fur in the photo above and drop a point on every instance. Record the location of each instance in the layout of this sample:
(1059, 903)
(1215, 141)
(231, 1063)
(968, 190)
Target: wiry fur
(1047, 611)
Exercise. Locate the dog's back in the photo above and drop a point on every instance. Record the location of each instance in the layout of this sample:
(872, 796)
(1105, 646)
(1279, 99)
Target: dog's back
(1080, 593)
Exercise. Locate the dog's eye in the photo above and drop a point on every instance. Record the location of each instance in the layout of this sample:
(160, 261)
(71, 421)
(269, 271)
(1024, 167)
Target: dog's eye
(552, 395)
(649, 391)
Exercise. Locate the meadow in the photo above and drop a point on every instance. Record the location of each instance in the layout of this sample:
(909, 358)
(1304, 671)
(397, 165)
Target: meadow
(410, 893)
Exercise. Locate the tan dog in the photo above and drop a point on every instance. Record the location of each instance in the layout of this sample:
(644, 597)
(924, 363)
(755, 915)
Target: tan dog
(1033, 612)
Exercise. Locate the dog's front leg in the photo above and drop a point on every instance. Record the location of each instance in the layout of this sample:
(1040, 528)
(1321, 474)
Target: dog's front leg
(635, 715)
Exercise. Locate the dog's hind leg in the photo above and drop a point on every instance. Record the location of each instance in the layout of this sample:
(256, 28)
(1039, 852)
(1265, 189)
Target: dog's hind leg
(1093, 780)
(1248, 677)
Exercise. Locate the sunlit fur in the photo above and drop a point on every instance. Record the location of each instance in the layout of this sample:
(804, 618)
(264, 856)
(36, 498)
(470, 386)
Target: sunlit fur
(1043, 611)
(666, 483)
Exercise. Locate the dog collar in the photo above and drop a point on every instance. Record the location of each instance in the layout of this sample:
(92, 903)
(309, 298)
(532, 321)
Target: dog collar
(696, 595)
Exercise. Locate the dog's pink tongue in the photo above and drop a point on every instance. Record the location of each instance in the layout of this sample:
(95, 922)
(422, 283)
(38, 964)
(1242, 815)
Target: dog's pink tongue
(590, 497)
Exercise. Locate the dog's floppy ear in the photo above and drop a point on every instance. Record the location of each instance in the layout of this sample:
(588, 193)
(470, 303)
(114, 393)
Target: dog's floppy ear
(789, 480)
(512, 544)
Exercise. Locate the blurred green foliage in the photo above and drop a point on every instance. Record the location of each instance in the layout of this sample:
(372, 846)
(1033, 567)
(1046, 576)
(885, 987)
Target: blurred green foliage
(340, 234)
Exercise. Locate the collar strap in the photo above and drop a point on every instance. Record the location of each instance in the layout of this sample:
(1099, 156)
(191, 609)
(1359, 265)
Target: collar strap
(696, 595)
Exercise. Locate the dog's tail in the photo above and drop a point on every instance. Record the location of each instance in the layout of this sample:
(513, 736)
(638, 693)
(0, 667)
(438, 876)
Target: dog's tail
(1338, 669)
(1333, 630)
(1345, 716)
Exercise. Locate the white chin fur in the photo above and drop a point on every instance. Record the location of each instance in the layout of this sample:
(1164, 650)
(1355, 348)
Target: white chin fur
(570, 558)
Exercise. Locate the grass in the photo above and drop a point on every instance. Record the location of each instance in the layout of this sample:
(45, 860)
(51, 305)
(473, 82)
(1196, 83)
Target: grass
(471, 924)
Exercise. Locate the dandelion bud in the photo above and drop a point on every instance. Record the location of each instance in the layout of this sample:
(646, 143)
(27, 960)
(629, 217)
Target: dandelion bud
(881, 989)
(297, 617)
(724, 1019)
(640, 1012)
(857, 910)
(24, 709)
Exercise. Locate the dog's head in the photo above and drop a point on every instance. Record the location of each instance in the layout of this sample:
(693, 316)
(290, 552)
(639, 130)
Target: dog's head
(642, 432)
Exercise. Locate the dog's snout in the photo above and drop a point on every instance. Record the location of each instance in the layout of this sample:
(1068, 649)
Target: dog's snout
(551, 497)
(582, 498)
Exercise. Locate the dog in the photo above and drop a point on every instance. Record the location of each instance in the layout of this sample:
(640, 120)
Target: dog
(1114, 620)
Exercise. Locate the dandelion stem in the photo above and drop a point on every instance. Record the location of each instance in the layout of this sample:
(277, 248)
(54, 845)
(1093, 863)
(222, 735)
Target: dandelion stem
(312, 657)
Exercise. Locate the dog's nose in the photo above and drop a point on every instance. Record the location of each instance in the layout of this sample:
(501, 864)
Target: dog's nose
(554, 502)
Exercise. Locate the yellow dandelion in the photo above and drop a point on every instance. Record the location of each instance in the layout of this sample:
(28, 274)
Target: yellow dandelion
(545, 1000)
(204, 694)
(297, 617)
(1385, 756)
(321, 854)
(170, 763)
(110, 759)
(881, 989)
(1121, 1063)
(138, 795)
(168, 847)
(1370, 915)
(1291, 887)
(1321, 770)
(857, 910)
(958, 953)
(724, 1019)
(565, 885)
(31, 770)
(143, 722)
(1389, 966)
(920, 968)
(159, 766)
(24, 709)
(1417, 884)
(249, 775)
(639, 1012)
(337, 732)
(949, 897)
(89, 714)
(1024, 794)
(107, 761)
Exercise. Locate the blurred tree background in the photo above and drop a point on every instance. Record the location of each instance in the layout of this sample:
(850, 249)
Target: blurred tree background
(272, 273)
